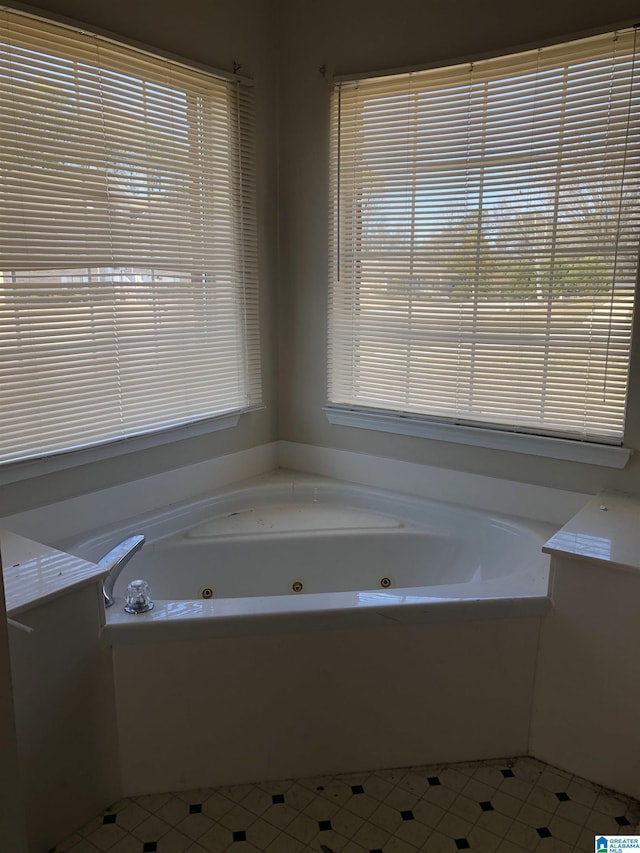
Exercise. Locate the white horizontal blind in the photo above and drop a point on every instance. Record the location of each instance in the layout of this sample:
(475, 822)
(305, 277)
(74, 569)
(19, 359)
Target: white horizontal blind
(128, 277)
(485, 225)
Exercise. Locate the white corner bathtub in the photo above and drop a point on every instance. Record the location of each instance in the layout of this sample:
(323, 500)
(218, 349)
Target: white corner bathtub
(287, 552)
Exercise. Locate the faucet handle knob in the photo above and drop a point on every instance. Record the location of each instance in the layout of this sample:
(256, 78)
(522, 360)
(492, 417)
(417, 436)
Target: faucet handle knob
(138, 597)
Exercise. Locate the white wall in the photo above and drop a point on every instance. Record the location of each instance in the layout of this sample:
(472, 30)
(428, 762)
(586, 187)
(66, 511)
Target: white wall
(348, 36)
(282, 44)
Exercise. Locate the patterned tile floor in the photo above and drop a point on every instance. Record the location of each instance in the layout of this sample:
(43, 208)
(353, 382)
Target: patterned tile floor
(509, 806)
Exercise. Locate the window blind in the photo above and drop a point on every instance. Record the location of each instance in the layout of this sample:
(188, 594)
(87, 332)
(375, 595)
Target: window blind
(484, 240)
(128, 273)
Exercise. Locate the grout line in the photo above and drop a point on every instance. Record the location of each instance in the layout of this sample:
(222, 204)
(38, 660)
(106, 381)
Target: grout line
(408, 808)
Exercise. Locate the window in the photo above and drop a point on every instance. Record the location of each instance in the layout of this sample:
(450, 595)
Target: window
(128, 281)
(485, 226)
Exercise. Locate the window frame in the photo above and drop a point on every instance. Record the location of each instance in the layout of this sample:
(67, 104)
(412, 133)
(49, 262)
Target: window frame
(414, 423)
(47, 461)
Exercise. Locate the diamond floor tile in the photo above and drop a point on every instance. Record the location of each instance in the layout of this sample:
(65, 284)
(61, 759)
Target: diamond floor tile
(517, 805)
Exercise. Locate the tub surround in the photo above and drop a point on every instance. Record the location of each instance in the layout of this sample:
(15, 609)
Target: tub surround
(58, 523)
(249, 543)
(588, 675)
(63, 695)
(477, 491)
(316, 661)
(12, 813)
(62, 687)
(236, 709)
(585, 709)
(35, 573)
(194, 620)
(539, 684)
(605, 532)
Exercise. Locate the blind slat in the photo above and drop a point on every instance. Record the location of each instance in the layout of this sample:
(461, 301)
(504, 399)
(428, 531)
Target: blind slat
(128, 246)
(484, 239)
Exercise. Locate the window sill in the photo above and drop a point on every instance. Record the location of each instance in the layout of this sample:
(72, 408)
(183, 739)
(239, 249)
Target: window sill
(12, 472)
(496, 439)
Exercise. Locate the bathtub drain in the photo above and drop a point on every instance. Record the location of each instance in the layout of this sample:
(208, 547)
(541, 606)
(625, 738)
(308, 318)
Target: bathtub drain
(385, 583)
(207, 592)
(297, 586)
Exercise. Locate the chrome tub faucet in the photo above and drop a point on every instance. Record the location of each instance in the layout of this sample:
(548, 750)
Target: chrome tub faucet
(115, 561)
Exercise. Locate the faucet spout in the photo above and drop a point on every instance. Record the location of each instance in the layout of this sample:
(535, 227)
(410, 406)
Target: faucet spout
(115, 561)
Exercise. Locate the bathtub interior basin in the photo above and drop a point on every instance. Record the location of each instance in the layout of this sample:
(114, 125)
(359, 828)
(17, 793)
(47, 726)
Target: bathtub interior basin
(288, 543)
